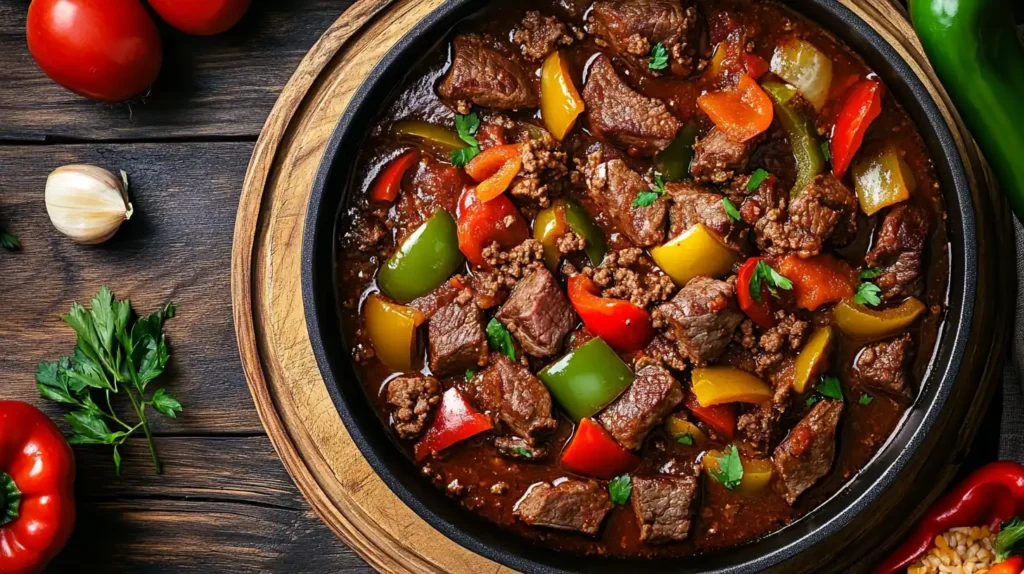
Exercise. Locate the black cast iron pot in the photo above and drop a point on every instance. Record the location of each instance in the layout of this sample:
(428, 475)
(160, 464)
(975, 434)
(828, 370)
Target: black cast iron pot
(852, 528)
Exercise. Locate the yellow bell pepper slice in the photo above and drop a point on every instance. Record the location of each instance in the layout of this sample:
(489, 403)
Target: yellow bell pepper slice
(813, 359)
(432, 136)
(678, 428)
(560, 102)
(757, 473)
(883, 179)
(720, 385)
(392, 330)
(697, 251)
(859, 321)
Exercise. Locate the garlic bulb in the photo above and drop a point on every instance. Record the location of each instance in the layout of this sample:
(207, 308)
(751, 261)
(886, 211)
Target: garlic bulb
(87, 203)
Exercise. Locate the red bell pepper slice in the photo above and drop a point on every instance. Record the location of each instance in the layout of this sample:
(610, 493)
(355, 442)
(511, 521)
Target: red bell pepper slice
(593, 452)
(819, 280)
(760, 312)
(861, 107)
(620, 323)
(721, 418)
(389, 182)
(756, 65)
(456, 420)
(482, 223)
(1012, 565)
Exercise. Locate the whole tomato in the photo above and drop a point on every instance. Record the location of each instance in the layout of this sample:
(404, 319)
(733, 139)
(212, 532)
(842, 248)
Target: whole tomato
(201, 17)
(107, 50)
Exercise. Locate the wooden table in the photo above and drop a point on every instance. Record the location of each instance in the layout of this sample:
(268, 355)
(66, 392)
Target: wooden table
(224, 502)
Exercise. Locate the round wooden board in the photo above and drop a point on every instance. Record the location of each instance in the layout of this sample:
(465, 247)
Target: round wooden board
(290, 395)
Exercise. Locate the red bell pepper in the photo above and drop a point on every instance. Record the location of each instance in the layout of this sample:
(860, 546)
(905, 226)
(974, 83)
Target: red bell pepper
(389, 182)
(620, 323)
(990, 496)
(1012, 565)
(760, 312)
(482, 223)
(37, 495)
(721, 418)
(819, 280)
(861, 107)
(756, 65)
(593, 452)
(456, 420)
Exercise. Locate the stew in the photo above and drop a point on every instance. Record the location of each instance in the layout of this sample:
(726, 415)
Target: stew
(693, 243)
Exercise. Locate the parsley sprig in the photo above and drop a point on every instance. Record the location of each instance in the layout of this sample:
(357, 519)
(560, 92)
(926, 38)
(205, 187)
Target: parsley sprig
(522, 451)
(730, 209)
(867, 292)
(730, 469)
(686, 439)
(116, 354)
(829, 387)
(766, 277)
(645, 198)
(659, 57)
(756, 179)
(467, 127)
(500, 339)
(619, 489)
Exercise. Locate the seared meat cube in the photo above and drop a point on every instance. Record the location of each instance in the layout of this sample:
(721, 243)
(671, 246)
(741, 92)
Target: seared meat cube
(482, 75)
(693, 203)
(653, 395)
(806, 455)
(457, 339)
(538, 314)
(883, 366)
(412, 399)
(519, 449)
(614, 187)
(539, 35)
(826, 209)
(716, 157)
(899, 251)
(700, 319)
(624, 117)
(578, 505)
(664, 506)
(436, 185)
(511, 394)
(635, 26)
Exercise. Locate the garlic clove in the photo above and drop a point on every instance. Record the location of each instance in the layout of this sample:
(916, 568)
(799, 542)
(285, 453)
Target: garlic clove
(87, 203)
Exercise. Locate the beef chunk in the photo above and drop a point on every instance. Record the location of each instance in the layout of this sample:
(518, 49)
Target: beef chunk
(716, 157)
(693, 203)
(412, 399)
(482, 75)
(664, 506)
(614, 186)
(806, 455)
(899, 252)
(519, 449)
(653, 395)
(457, 339)
(578, 505)
(617, 113)
(700, 319)
(434, 185)
(538, 313)
(635, 26)
(882, 366)
(539, 35)
(510, 393)
(826, 209)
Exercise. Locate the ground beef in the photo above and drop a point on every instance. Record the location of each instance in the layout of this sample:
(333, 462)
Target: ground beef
(806, 455)
(825, 210)
(633, 27)
(883, 366)
(631, 275)
(788, 334)
(507, 268)
(664, 507)
(757, 427)
(899, 252)
(613, 186)
(538, 314)
(700, 319)
(483, 76)
(539, 35)
(571, 242)
(716, 157)
(411, 400)
(576, 505)
(653, 395)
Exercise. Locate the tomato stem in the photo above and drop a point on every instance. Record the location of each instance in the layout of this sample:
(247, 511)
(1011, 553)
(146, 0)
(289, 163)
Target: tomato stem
(10, 499)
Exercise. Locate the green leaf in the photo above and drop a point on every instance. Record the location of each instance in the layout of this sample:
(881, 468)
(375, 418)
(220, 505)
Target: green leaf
(730, 469)
(52, 385)
(870, 273)
(461, 157)
(756, 179)
(811, 400)
(467, 127)
(826, 151)
(686, 439)
(86, 372)
(9, 242)
(117, 461)
(867, 294)
(103, 319)
(865, 399)
(659, 57)
(619, 489)
(500, 339)
(165, 403)
(522, 451)
(89, 426)
(81, 321)
(1011, 533)
(659, 184)
(830, 387)
(730, 209)
(645, 198)
(766, 277)
(469, 375)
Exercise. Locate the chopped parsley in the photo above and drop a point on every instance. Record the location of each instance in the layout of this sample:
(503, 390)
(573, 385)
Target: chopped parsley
(467, 127)
(619, 488)
(756, 179)
(645, 198)
(866, 399)
(730, 469)
(523, 452)
(826, 151)
(870, 273)
(765, 276)
(500, 339)
(867, 294)
(811, 400)
(686, 439)
(730, 209)
(470, 374)
(659, 57)
(830, 387)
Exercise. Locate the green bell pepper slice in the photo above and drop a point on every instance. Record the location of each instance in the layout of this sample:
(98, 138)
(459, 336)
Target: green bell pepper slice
(425, 260)
(567, 215)
(587, 379)
(802, 136)
(673, 162)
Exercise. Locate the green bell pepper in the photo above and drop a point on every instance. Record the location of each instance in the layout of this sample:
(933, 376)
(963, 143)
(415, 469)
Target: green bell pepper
(802, 135)
(563, 216)
(424, 261)
(673, 162)
(973, 46)
(587, 379)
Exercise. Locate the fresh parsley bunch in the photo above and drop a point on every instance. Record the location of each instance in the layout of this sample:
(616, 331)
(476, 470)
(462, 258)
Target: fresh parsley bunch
(116, 354)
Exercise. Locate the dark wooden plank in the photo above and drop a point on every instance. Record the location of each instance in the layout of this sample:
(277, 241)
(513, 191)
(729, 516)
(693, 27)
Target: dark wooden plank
(222, 505)
(177, 247)
(217, 86)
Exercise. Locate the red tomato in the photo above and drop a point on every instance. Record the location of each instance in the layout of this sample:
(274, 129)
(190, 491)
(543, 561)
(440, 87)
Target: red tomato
(107, 50)
(201, 17)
